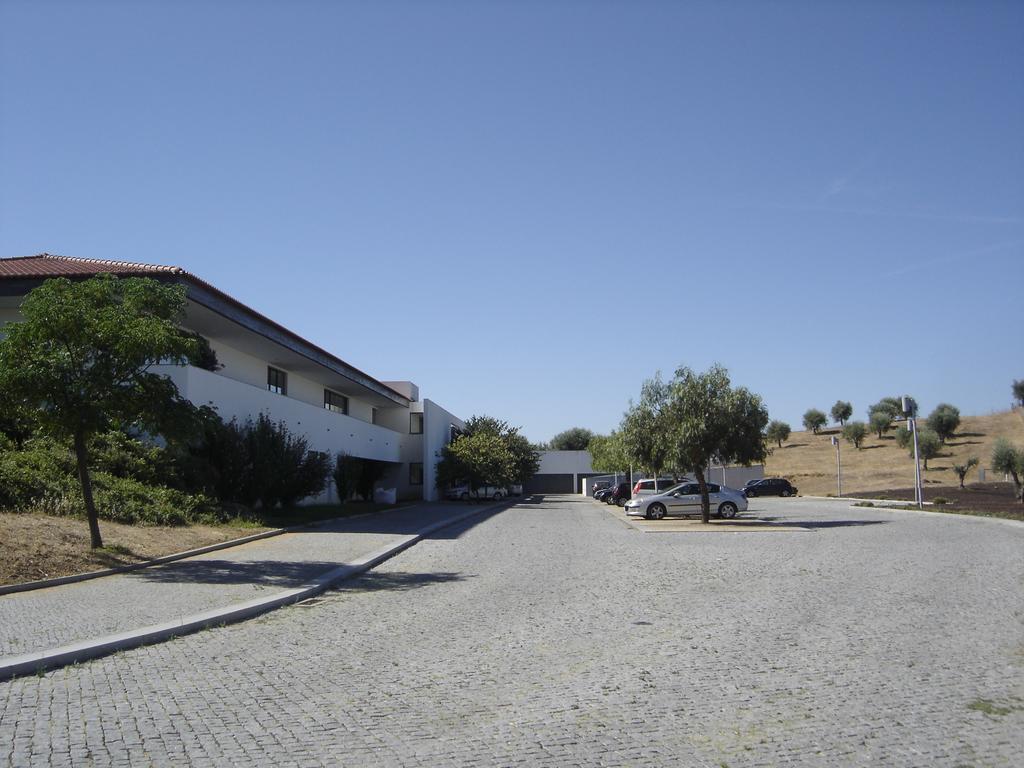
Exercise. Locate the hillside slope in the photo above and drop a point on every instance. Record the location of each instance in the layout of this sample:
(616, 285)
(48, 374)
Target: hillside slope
(809, 460)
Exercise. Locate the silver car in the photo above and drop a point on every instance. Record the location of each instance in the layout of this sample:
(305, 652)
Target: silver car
(684, 499)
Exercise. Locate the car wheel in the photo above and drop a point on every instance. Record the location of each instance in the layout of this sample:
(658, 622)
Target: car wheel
(784, 493)
(655, 512)
(727, 510)
(497, 497)
(621, 502)
(464, 497)
(751, 494)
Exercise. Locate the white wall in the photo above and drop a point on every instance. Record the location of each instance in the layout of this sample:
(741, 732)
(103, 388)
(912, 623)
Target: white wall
(325, 430)
(436, 432)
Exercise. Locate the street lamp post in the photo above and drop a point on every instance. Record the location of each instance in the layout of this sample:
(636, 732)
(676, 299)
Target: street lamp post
(839, 466)
(909, 410)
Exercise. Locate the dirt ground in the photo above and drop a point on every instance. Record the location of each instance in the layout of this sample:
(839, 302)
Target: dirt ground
(982, 498)
(34, 546)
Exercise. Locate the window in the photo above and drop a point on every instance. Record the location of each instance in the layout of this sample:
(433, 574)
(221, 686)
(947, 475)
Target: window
(416, 473)
(373, 415)
(415, 423)
(335, 402)
(277, 381)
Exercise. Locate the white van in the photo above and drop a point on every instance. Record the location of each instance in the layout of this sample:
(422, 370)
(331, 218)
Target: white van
(650, 486)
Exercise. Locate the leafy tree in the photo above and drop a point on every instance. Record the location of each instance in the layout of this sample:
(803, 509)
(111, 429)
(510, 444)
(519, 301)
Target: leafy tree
(1009, 459)
(891, 406)
(778, 432)
(944, 420)
(928, 445)
(814, 420)
(1018, 391)
(962, 469)
(644, 428)
(904, 437)
(608, 454)
(855, 432)
(516, 462)
(346, 475)
(706, 419)
(80, 360)
(879, 422)
(842, 411)
(574, 439)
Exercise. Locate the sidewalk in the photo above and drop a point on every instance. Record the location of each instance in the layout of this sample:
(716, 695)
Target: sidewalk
(89, 618)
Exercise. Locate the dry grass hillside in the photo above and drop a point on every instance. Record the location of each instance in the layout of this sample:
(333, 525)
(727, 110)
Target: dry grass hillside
(809, 460)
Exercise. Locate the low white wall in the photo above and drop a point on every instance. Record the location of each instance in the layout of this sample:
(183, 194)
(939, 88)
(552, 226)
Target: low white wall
(564, 463)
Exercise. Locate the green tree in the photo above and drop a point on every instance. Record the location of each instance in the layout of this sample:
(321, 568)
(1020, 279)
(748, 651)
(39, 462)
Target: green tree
(643, 430)
(707, 419)
(904, 437)
(880, 422)
(80, 360)
(1009, 459)
(814, 420)
(891, 406)
(928, 445)
(855, 432)
(470, 462)
(944, 420)
(778, 432)
(1018, 391)
(962, 469)
(574, 439)
(608, 454)
(842, 411)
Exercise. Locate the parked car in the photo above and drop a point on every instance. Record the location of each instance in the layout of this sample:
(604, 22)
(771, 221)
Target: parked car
(600, 485)
(619, 495)
(604, 493)
(684, 499)
(465, 493)
(770, 486)
(649, 486)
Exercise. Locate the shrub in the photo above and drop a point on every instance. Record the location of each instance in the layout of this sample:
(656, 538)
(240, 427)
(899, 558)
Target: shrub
(928, 445)
(940, 500)
(1009, 459)
(962, 469)
(904, 437)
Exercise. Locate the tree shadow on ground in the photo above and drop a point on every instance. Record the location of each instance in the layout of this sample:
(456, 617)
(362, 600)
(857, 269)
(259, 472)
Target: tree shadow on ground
(372, 581)
(822, 524)
(964, 442)
(795, 445)
(275, 573)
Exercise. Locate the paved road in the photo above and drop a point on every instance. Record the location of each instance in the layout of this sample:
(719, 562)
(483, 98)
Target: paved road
(48, 618)
(553, 634)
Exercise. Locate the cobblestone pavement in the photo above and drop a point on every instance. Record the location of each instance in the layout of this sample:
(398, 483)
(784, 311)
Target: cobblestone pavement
(49, 618)
(553, 634)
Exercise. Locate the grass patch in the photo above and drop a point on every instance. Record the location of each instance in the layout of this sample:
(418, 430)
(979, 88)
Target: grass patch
(990, 708)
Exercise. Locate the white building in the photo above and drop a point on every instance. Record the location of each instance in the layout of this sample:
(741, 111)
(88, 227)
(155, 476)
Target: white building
(266, 368)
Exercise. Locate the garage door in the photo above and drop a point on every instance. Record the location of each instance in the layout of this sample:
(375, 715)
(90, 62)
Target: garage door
(548, 484)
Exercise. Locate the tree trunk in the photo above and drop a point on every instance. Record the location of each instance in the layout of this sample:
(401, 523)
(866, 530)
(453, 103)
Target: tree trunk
(82, 455)
(705, 501)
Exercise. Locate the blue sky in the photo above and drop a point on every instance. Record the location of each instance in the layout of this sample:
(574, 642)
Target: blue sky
(528, 208)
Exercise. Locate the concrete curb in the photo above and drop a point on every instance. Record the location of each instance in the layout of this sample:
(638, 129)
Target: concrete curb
(28, 586)
(39, 661)
(889, 505)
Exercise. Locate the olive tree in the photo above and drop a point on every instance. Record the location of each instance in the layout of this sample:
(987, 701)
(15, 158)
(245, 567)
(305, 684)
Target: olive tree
(842, 411)
(644, 428)
(608, 454)
(928, 445)
(855, 432)
(880, 422)
(814, 420)
(944, 420)
(80, 362)
(1018, 391)
(778, 432)
(706, 419)
(1009, 459)
(962, 469)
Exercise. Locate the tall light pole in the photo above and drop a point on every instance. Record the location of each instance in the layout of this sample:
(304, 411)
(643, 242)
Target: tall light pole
(910, 411)
(839, 466)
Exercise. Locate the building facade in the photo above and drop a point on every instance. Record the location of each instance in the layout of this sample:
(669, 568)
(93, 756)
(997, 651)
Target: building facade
(266, 368)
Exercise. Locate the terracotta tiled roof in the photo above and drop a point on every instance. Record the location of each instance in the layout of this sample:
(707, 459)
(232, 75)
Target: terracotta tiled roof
(48, 265)
(45, 265)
